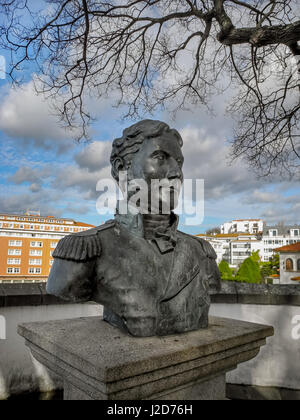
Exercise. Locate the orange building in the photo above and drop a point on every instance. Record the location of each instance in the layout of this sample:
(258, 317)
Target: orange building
(27, 243)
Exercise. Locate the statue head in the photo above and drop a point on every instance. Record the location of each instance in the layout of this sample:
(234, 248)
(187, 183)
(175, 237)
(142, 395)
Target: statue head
(150, 150)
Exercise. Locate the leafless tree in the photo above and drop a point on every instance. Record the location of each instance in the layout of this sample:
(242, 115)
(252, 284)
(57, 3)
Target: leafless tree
(153, 54)
(213, 231)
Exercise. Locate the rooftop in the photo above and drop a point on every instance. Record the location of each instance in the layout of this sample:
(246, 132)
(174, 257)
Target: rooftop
(227, 235)
(32, 219)
(244, 241)
(281, 229)
(246, 220)
(289, 248)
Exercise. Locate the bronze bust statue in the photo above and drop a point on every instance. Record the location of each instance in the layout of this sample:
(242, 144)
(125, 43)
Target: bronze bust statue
(151, 278)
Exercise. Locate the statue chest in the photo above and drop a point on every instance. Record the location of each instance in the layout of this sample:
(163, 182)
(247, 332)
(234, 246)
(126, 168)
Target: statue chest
(151, 292)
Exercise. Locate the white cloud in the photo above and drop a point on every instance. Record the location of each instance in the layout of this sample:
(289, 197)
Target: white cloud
(43, 201)
(82, 180)
(281, 213)
(28, 174)
(206, 157)
(26, 115)
(94, 156)
(258, 196)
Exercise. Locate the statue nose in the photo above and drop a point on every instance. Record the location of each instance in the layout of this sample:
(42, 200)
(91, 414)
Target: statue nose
(175, 175)
(175, 172)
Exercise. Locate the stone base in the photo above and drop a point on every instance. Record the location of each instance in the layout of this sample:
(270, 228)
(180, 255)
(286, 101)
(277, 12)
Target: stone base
(99, 362)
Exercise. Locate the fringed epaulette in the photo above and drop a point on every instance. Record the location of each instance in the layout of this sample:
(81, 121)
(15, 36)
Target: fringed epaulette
(207, 248)
(81, 247)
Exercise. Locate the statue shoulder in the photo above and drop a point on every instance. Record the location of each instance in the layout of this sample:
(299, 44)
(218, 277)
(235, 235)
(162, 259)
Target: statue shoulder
(82, 246)
(207, 248)
(213, 273)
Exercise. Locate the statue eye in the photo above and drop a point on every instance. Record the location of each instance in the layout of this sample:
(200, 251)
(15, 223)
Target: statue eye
(160, 156)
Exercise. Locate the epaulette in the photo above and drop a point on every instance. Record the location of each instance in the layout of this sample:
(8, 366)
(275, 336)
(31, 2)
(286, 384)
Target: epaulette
(82, 246)
(207, 248)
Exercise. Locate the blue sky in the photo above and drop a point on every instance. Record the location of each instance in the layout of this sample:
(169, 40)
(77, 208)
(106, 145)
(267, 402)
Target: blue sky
(44, 168)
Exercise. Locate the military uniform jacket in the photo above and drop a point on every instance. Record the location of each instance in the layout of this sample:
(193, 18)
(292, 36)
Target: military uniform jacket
(156, 287)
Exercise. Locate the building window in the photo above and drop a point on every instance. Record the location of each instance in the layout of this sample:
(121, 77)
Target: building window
(14, 252)
(53, 244)
(35, 262)
(15, 243)
(289, 265)
(13, 261)
(36, 244)
(298, 265)
(36, 252)
(13, 270)
(37, 270)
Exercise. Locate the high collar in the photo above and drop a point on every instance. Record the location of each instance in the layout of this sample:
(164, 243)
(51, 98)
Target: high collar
(165, 238)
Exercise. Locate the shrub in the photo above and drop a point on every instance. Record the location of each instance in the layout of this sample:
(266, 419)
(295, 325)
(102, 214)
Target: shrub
(226, 271)
(249, 272)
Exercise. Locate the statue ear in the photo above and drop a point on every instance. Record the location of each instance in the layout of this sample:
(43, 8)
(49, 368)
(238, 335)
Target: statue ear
(117, 166)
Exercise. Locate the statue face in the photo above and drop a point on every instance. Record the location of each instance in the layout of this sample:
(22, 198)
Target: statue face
(159, 159)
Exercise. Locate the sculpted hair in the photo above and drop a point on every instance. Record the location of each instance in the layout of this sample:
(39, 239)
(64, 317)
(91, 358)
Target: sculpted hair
(133, 137)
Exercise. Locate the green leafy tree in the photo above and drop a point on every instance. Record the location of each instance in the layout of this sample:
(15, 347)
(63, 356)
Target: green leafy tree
(271, 267)
(256, 257)
(249, 272)
(226, 271)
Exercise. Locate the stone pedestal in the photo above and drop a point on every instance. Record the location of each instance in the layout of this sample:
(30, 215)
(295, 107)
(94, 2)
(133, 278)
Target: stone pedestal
(99, 362)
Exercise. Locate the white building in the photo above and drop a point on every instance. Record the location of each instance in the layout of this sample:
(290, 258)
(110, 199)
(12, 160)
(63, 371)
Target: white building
(242, 249)
(289, 264)
(252, 226)
(278, 236)
(233, 248)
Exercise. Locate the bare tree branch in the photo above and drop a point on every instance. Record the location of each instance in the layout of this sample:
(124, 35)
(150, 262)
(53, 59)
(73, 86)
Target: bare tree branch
(154, 54)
